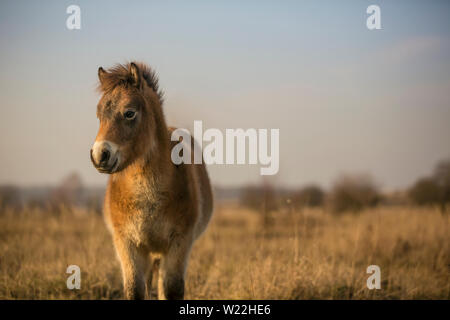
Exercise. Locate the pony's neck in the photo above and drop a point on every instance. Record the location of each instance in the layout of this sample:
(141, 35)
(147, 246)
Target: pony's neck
(157, 156)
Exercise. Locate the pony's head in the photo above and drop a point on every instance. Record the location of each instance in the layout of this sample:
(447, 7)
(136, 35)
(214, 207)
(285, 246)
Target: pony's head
(130, 115)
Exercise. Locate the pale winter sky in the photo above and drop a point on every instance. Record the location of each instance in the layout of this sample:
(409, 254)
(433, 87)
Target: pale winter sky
(346, 99)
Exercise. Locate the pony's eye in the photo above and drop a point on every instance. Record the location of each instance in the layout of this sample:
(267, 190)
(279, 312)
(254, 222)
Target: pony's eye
(129, 115)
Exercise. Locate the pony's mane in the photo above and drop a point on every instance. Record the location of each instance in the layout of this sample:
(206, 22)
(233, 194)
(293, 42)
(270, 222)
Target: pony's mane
(120, 74)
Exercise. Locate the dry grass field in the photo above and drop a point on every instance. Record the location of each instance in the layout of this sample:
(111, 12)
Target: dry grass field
(291, 255)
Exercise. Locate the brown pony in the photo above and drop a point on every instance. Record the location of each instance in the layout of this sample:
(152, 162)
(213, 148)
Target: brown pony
(154, 209)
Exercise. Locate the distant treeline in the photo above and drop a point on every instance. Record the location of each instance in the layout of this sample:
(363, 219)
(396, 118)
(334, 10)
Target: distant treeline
(351, 193)
(68, 194)
(348, 193)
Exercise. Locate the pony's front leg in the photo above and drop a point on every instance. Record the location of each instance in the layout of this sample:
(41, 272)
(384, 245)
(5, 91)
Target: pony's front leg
(134, 262)
(171, 273)
(152, 270)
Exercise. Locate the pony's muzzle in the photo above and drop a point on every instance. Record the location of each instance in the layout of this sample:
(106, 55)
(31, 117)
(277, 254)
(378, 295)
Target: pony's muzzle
(104, 156)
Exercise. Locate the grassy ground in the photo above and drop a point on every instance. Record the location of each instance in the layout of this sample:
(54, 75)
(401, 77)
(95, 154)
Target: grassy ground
(297, 255)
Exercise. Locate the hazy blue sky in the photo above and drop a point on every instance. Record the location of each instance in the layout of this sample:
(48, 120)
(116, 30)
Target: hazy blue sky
(345, 99)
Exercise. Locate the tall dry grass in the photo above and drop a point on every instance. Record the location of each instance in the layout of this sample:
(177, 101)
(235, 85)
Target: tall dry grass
(298, 255)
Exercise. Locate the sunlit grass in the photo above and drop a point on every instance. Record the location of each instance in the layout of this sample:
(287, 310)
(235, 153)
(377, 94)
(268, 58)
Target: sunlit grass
(297, 255)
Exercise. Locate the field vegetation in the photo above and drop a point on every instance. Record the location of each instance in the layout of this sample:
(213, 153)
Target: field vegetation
(291, 253)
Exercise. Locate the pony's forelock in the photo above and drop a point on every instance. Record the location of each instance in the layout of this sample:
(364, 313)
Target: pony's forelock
(120, 75)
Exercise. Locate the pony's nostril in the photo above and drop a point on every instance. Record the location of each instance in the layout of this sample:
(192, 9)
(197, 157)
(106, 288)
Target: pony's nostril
(105, 156)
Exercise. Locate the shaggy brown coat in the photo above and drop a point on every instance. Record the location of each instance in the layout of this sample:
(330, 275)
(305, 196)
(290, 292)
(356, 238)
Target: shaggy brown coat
(154, 209)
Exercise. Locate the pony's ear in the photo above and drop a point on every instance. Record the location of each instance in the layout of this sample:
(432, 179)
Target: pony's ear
(135, 77)
(101, 74)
